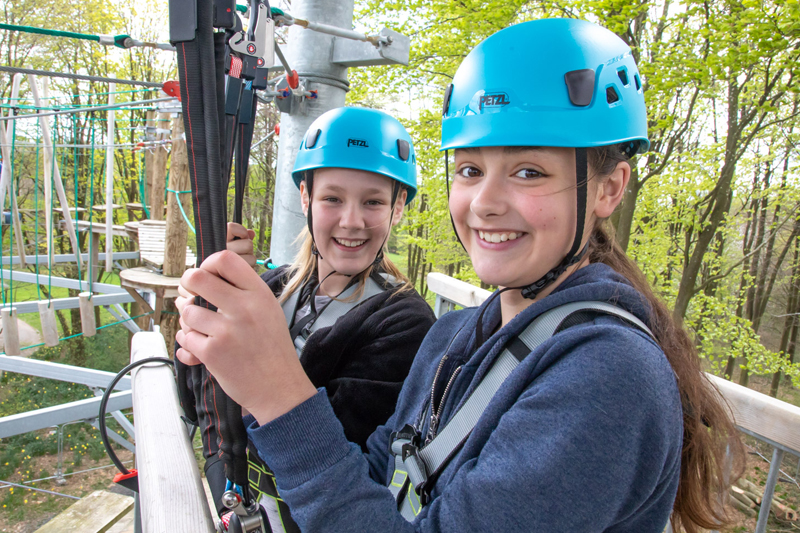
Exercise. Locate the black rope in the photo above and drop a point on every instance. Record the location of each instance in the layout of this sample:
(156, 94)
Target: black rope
(101, 420)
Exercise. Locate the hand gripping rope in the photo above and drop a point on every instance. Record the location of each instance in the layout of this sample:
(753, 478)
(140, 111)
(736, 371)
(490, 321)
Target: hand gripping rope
(218, 127)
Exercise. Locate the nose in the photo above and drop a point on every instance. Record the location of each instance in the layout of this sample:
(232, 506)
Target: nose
(491, 198)
(352, 217)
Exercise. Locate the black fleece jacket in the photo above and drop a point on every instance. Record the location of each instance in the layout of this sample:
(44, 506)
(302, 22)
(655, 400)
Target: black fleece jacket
(363, 359)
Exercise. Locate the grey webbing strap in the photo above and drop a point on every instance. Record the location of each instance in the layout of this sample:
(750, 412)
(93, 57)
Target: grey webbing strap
(455, 432)
(289, 305)
(335, 309)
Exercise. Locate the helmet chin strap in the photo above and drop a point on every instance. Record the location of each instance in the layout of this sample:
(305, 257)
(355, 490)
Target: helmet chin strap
(574, 255)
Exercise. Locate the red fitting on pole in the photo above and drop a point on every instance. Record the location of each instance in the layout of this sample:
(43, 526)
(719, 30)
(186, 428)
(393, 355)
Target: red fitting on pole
(172, 88)
(293, 80)
(277, 130)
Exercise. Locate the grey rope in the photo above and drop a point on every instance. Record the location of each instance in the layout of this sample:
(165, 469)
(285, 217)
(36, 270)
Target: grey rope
(16, 70)
(87, 109)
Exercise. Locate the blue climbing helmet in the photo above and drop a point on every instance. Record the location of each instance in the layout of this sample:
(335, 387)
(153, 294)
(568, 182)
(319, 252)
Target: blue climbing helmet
(550, 82)
(360, 139)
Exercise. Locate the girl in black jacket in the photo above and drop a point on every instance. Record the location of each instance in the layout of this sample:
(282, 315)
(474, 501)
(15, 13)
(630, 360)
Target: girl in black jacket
(355, 319)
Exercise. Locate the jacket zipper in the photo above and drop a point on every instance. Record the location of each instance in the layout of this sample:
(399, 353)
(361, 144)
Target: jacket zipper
(436, 413)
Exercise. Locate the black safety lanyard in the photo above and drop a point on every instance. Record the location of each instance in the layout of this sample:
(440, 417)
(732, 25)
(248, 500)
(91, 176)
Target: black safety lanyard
(215, 133)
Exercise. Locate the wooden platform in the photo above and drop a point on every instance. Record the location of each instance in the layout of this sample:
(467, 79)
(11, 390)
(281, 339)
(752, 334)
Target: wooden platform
(95, 513)
(98, 228)
(144, 279)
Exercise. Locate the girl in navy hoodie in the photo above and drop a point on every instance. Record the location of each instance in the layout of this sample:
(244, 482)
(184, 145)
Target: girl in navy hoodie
(605, 424)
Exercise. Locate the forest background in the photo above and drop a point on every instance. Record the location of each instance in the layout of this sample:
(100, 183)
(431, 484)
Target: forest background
(711, 214)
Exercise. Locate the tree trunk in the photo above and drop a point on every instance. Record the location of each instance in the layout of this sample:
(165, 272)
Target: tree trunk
(624, 215)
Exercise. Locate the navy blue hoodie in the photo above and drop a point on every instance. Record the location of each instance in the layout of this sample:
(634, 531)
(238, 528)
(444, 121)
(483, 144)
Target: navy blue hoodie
(584, 436)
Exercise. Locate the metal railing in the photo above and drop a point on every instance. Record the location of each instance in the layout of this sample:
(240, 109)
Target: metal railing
(767, 419)
(171, 492)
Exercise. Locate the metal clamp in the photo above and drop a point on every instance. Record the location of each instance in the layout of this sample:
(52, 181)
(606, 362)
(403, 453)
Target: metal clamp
(247, 519)
(258, 41)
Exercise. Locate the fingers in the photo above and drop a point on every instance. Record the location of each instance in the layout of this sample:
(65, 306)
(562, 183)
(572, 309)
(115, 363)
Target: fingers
(201, 320)
(183, 291)
(232, 268)
(187, 357)
(237, 231)
(213, 286)
(244, 249)
(185, 353)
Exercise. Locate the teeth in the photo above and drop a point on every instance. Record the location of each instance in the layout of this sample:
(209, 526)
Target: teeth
(499, 237)
(350, 244)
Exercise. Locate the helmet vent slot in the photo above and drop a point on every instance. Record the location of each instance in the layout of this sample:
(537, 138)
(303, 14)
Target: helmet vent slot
(638, 83)
(580, 85)
(311, 138)
(623, 77)
(611, 95)
(403, 149)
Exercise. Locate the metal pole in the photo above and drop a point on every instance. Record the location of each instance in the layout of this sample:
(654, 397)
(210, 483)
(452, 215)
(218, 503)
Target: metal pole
(309, 54)
(769, 490)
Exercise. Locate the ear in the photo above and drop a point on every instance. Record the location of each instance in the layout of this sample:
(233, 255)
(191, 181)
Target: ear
(399, 206)
(611, 189)
(304, 197)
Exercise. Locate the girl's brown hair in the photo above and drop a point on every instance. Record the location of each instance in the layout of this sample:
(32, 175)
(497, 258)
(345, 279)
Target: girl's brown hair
(712, 456)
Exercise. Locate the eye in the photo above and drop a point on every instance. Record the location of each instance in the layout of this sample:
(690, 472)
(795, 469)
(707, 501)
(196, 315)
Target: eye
(469, 172)
(529, 174)
(374, 202)
(330, 199)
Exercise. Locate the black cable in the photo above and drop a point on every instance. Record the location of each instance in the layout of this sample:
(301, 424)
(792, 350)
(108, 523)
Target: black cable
(104, 403)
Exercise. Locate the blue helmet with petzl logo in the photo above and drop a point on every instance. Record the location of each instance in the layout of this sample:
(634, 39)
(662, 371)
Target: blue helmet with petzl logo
(550, 82)
(360, 139)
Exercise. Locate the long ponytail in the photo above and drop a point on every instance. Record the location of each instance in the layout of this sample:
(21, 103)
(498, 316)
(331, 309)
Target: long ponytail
(713, 455)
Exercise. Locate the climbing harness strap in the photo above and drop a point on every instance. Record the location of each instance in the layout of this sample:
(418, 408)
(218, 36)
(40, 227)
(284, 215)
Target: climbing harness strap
(202, 53)
(336, 308)
(415, 466)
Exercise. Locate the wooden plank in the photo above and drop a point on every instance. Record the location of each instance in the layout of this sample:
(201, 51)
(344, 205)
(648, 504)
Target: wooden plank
(47, 316)
(98, 227)
(761, 414)
(10, 331)
(95, 513)
(460, 292)
(171, 493)
(88, 324)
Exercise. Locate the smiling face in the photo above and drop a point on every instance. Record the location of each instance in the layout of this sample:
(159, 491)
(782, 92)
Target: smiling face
(515, 209)
(351, 212)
